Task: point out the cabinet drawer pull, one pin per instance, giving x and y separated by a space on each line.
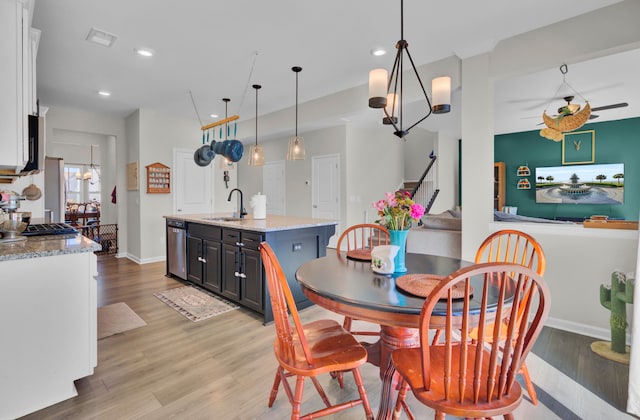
236 274
240 244
242 275
202 260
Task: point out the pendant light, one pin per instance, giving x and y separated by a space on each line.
256 154
386 92
296 151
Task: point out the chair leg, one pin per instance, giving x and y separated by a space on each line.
320 390
527 381
274 389
296 403
363 393
402 394
439 415
436 337
508 417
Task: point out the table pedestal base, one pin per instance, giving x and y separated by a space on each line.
391 338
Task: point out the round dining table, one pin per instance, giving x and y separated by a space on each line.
351 288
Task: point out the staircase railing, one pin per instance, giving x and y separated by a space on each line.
421 188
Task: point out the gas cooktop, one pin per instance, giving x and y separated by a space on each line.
49 229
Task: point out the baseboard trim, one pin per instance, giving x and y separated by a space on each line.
582 329
146 260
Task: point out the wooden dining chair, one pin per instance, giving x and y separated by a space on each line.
520 248
359 240
306 351
471 378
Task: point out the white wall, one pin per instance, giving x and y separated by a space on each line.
416 146
375 165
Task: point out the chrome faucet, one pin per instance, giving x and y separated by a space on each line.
242 211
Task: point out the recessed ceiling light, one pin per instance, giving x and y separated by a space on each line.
144 52
100 37
378 52
214 115
104 93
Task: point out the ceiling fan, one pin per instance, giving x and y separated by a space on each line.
571 109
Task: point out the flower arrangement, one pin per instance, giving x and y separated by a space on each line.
397 211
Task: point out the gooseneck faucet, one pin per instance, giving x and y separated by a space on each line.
242 211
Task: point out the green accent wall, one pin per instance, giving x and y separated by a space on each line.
615 142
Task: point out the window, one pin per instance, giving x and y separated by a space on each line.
82 183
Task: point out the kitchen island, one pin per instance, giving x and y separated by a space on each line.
222 254
48 320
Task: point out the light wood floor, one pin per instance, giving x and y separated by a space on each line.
223 367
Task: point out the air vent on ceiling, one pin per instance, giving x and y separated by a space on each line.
101 37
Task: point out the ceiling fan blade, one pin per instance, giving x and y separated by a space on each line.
612 106
593 117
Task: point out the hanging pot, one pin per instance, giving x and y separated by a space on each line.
203 155
231 149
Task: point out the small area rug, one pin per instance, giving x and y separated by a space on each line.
117 318
195 304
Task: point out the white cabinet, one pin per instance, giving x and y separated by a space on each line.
18 46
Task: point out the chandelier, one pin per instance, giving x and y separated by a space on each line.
386 92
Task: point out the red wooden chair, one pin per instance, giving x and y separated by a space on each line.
520 248
360 240
306 351
469 378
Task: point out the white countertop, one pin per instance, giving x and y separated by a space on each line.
271 223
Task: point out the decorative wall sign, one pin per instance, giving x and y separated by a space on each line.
132 176
579 147
524 184
524 170
158 178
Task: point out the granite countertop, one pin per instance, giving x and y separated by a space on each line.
49 245
270 224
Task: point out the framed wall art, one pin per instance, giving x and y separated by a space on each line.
132 176
579 147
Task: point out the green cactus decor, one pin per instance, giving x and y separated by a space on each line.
615 297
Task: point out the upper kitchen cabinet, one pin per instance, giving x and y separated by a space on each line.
18 48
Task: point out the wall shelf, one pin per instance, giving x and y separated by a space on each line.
158 178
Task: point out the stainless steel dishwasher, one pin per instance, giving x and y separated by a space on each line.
177 248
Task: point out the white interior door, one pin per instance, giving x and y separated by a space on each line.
192 186
326 187
273 186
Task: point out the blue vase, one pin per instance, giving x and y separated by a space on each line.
399 238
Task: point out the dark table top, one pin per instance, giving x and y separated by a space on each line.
353 283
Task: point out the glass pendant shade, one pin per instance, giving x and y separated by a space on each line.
296 151
391 109
256 153
378 79
441 90
256 156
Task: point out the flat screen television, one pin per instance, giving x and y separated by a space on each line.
580 184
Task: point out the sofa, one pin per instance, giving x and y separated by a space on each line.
440 234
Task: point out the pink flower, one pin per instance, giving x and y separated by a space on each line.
417 211
380 205
391 199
